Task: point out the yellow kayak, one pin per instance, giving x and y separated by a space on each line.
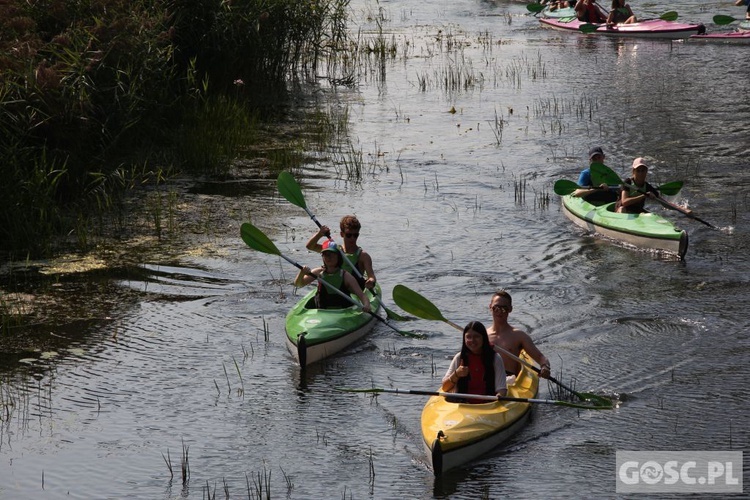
455 433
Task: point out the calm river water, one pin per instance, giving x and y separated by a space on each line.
454 206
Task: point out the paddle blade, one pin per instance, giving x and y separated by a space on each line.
670 188
255 239
564 187
290 190
669 16
600 173
722 20
393 314
413 303
588 28
534 7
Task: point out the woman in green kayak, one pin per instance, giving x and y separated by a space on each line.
635 190
335 277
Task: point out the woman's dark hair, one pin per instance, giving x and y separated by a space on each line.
488 358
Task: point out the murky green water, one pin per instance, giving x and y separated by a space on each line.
187 349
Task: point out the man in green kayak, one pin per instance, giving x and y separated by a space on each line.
596 195
511 339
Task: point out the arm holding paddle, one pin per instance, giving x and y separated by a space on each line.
312 244
587 187
632 199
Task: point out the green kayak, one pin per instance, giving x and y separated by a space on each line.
313 334
646 230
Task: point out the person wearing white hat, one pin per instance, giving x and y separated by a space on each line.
635 190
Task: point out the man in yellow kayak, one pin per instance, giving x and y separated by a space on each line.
511 339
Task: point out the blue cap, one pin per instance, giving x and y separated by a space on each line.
595 151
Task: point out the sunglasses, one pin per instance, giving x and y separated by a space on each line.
351 235
504 309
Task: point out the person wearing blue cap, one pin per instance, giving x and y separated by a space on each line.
598 195
332 273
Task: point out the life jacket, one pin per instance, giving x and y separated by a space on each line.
481 379
328 299
591 14
621 15
630 186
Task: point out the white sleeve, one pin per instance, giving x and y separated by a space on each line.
455 363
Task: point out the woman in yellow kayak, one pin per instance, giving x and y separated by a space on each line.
477 369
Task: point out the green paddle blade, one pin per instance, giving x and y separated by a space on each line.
564 187
588 28
670 188
290 190
721 20
393 314
256 240
669 16
600 173
413 303
534 7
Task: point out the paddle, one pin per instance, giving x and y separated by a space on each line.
414 303
590 28
722 20
255 239
536 8
602 173
564 187
607 406
291 190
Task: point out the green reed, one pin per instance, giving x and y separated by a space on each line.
105 86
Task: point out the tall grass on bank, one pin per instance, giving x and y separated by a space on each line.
90 89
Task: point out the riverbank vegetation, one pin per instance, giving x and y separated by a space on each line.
97 97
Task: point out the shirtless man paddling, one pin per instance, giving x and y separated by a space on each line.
512 339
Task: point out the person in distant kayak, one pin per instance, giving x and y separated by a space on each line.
588 11
633 198
621 13
477 369
332 273
554 5
502 334
739 3
350 227
594 194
